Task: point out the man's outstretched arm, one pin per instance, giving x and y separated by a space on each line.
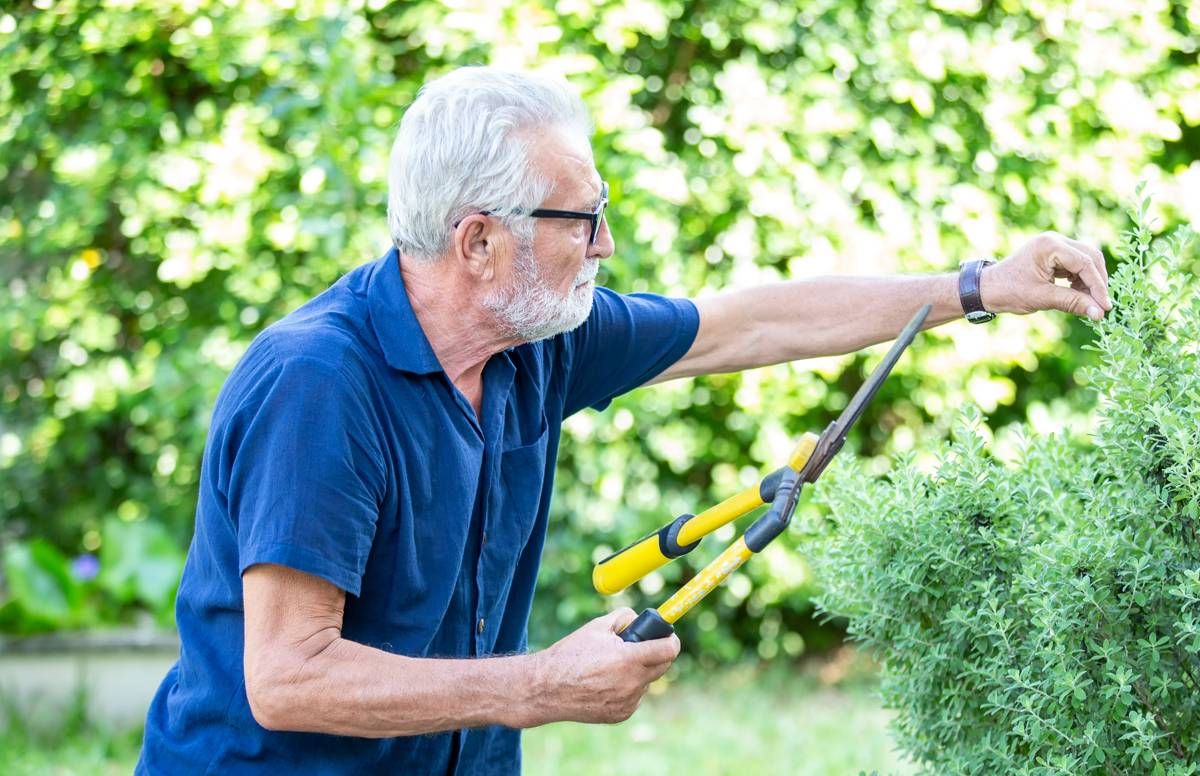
829 316
301 675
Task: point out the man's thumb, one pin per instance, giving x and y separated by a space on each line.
618 619
1075 302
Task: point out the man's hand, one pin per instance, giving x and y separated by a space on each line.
1024 282
591 675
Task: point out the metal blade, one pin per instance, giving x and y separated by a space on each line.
835 433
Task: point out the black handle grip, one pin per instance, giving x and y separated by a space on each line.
648 625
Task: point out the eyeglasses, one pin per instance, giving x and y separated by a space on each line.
595 217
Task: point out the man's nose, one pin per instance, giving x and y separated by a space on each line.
604 245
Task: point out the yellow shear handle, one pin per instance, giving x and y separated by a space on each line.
626 566
703 583
750 499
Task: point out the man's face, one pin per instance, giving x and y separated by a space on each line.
551 278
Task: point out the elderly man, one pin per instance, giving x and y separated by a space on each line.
378 472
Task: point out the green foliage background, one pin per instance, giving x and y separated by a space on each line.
174 176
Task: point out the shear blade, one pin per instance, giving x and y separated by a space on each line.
835 434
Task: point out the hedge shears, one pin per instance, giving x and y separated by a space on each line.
781 489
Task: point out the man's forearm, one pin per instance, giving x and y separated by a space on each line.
833 315
822 316
829 316
301 675
350 689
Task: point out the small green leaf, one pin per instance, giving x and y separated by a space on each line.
40 582
139 562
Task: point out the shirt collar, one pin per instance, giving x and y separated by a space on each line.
404 344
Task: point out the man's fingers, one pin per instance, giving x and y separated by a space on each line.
1093 253
655 671
1084 267
1075 302
652 672
655 651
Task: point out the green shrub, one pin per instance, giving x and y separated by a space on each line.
1043 615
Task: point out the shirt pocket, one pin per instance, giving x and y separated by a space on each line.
522 475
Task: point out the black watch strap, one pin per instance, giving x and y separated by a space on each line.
969 275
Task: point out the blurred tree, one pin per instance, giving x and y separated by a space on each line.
174 177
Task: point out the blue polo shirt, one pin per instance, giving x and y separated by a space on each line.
339 447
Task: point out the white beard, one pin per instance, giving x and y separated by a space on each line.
531 310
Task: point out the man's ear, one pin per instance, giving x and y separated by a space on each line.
474 243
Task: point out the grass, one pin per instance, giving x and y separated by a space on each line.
745 721
73 746
742 722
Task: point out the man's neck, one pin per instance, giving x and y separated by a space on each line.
461 332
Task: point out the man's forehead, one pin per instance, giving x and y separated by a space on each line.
566 158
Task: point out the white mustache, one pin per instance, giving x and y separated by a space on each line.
588 272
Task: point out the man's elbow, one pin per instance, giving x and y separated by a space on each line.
280 692
267 695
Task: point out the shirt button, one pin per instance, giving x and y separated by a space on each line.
481 624
484 539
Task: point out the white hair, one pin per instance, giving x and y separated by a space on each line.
462 148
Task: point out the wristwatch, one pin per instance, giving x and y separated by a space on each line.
969 274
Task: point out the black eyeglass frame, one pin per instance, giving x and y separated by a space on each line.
595 218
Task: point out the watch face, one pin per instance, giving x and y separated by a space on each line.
980 316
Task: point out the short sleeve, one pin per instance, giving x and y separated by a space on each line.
305 477
626 341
